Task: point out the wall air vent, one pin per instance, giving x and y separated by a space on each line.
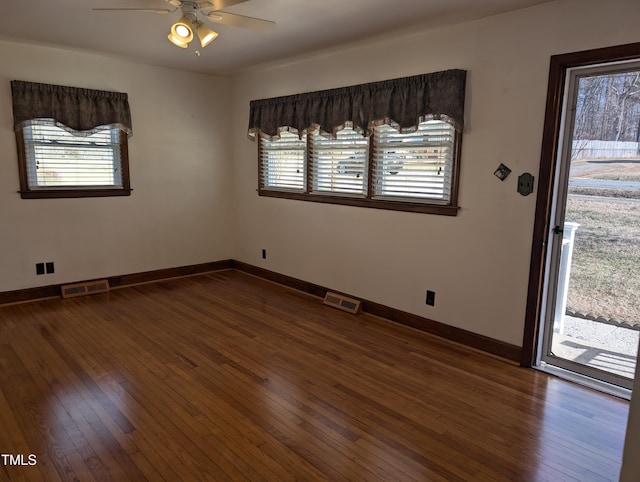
342 302
86 288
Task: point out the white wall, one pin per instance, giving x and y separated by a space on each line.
477 262
179 211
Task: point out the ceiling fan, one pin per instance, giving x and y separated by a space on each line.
182 31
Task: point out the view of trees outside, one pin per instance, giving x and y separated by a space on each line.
607 112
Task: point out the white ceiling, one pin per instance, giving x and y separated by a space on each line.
302 26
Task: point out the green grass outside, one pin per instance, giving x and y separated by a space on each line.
605 272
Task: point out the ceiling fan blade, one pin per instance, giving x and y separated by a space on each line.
217 4
235 20
153 10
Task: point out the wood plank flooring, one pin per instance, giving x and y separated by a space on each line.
225 376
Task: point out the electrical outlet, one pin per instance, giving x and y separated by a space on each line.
39 268
431 298
264 254
49 267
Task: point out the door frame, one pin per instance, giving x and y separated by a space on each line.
559 65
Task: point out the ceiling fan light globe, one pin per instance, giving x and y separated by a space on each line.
177 41
205 34
182 30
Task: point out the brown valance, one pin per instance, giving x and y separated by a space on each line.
404 101
75 108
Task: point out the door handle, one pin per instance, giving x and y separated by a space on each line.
558 230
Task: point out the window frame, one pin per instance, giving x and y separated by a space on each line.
29 192
369 200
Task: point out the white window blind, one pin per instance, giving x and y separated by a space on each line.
414 166
56 158
339 165
282 162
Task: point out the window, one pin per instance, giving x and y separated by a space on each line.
337 165
393 144
391 169
80 151
58 159
416 166
282 162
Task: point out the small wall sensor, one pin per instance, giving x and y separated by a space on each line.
502 172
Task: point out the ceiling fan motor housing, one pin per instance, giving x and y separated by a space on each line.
189 9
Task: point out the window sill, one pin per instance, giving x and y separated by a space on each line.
73 193
443 210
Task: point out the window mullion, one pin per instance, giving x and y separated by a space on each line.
308 161
370 166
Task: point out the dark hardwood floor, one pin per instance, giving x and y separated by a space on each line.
225 376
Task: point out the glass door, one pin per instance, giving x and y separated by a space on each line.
591 319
